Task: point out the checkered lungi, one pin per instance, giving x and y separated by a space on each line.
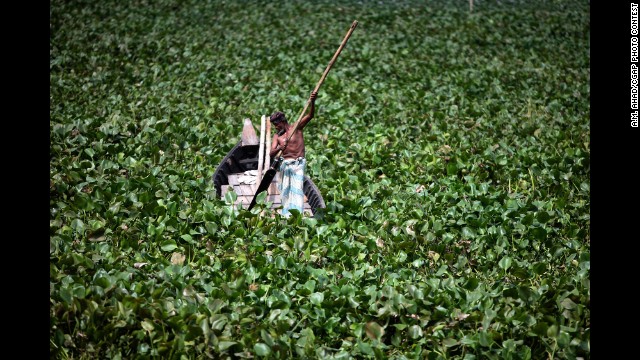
291 185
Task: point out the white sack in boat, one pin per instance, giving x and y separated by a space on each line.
248 177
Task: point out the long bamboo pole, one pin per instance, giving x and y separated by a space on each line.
324 75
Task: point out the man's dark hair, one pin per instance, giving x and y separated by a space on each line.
277 117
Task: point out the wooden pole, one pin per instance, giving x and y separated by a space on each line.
260 153
267 149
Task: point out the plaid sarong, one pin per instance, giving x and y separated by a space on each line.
291 185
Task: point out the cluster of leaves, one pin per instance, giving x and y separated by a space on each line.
451 147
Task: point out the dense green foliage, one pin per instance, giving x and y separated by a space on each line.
452 148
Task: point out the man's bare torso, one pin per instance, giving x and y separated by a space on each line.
295 147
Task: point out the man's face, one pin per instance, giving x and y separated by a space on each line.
279 124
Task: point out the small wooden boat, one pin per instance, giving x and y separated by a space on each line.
241 171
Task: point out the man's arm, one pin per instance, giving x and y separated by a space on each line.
274 146
312 110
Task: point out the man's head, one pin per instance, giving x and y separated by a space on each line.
277 117
279 121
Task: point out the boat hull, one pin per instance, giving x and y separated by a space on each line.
244 158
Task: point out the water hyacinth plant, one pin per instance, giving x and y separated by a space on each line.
451 145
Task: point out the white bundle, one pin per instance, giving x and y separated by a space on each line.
249 177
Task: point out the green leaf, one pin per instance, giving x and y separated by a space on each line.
543 216
230 197
564 339
468 233
527 220
212 228
79 291
505 263
168 245
568 304
311 222
147 325
65 295
365 348
539 233
188 238
268 339
260 348
468 340
260 198
316 298
218 321
448 342
103 282
224 345
485 339
585 186
452 168
310 285
540 328
400 326
78 225
415 332
540 268
471 283
216 304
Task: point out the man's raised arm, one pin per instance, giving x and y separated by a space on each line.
310 114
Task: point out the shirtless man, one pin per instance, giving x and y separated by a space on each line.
295 147
292 168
